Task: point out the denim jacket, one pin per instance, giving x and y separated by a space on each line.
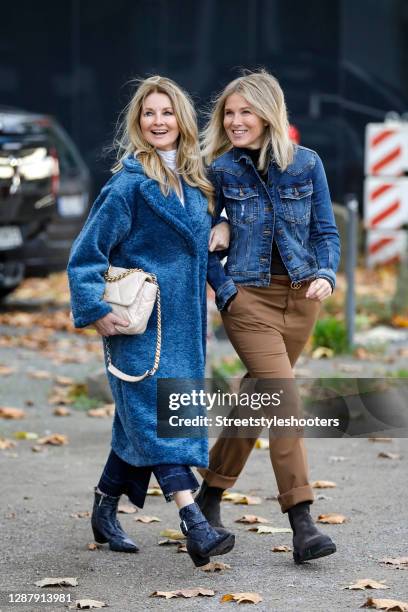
294 208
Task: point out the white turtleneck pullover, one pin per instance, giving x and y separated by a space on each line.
169 158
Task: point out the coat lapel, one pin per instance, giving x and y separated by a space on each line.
196 207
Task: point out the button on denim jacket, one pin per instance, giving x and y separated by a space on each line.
294 207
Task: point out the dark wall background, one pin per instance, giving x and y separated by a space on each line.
342 63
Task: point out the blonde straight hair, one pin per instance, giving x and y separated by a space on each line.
264 94
129 139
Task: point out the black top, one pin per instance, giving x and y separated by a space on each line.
277 265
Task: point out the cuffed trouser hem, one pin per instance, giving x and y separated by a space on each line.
217 480
295 496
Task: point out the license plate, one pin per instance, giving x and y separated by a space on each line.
10 238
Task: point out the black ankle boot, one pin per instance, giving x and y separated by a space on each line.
308 542
203 541
106 527
209 501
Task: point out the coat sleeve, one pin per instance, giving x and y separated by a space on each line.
108 223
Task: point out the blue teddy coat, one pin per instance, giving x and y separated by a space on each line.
133 225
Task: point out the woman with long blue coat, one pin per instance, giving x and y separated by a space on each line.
153 214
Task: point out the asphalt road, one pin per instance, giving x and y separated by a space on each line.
40 491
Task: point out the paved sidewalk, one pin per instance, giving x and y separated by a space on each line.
41 490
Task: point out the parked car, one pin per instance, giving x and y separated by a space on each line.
44 196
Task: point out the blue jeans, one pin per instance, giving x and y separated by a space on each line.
119 478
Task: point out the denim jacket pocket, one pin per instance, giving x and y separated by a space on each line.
296 201
242 203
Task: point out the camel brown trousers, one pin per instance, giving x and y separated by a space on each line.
268 327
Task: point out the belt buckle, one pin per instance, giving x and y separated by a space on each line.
296 285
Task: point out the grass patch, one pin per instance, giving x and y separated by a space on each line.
330 333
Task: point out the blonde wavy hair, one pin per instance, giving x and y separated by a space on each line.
129 139
264 94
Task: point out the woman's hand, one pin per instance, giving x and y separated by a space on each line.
219 237
319 289
106 325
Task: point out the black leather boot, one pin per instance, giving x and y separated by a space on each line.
209 501
203 541
106 527
308 542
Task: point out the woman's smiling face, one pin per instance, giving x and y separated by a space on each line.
243 127
158 122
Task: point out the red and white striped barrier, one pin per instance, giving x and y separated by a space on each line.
386 191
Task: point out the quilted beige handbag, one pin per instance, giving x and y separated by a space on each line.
132 294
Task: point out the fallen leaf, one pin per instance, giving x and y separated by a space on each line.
282 548
262 444
251 519
6 370
361 353
396 563
254 598
323 484
25 435
87 604
62 411
104 411
400 321
64 381
386 604
331 519
47 582
322 352
6 412
37 449
267 529
375 439
215 566
126 509
5 444
199 591
143 518
40 374
367 583
168 542
154 491
55 439
173 534
81 514
93 546
181 548
240 498
385 455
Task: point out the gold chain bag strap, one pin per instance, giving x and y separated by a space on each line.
132 294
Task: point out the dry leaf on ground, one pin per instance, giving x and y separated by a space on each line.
262 444
267 529
64 381
199 591
367 583
173 534
87 604
240 498
40 374
251 519
5 444
6 370
143 518
322 352
38 449
181 548
48 582
93 546
168 542
282 548
395 563
154 491
62 411
25 435
323 484
104 411
54 439
81 514
215 566
386 604
331 518
254 598
377 439
385 455
126 509
6 412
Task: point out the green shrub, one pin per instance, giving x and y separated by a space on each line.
331 333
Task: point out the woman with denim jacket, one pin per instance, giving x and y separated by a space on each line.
152 214
282 262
